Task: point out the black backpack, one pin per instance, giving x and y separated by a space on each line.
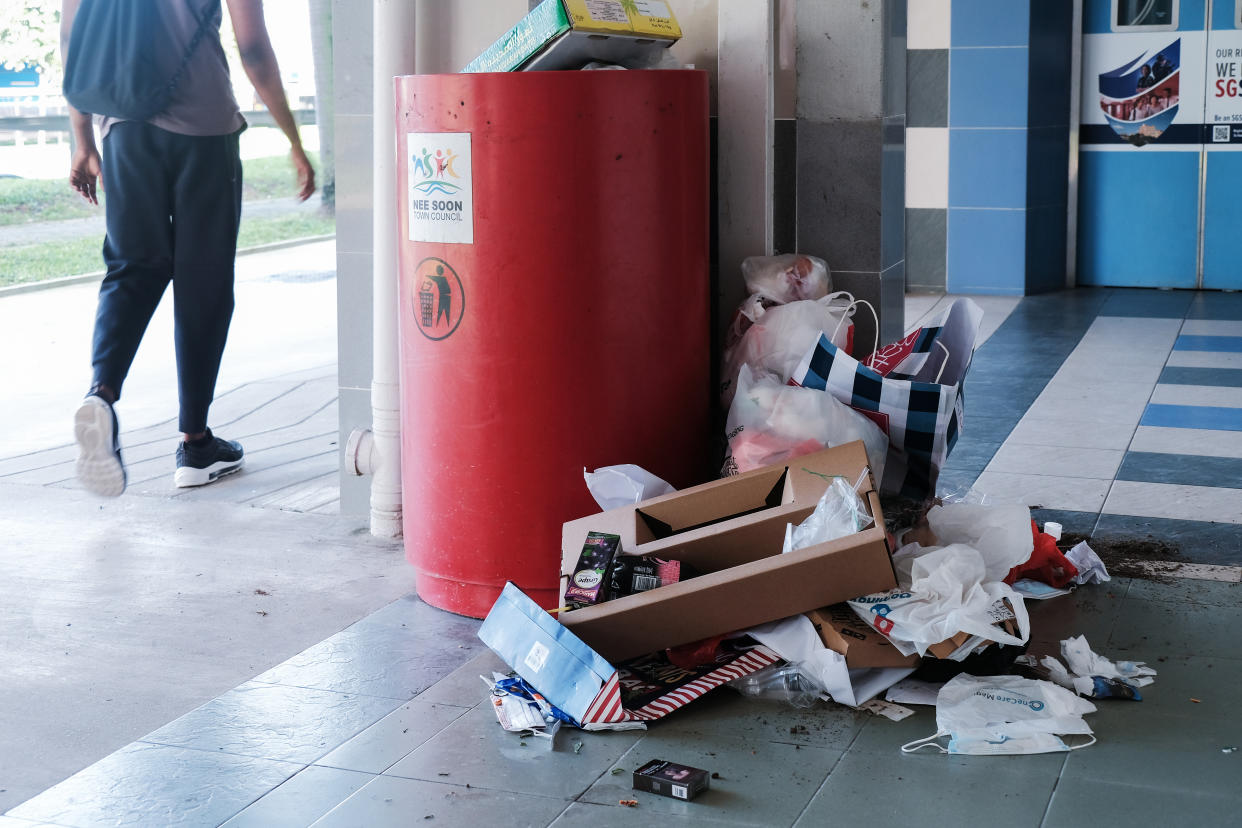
119 63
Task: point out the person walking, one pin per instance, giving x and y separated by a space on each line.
174 185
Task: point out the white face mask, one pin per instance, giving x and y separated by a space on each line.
1028 743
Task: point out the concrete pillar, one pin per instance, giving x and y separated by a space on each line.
850 148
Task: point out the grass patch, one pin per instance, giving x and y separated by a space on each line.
24 200
21 264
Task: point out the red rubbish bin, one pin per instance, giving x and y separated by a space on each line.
553 310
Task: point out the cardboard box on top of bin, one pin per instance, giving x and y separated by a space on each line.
565 34
732 531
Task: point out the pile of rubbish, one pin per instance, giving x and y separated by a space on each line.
783 580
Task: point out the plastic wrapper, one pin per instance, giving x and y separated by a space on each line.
780 682
839 513
1001 534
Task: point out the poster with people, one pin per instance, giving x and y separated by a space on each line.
1144 91
1140 98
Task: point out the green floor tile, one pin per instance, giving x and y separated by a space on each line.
1142 747
1146 630
930 790
1082 802
755 783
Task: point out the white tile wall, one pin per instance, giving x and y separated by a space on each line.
928 24
927 167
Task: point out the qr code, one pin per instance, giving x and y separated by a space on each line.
1220 133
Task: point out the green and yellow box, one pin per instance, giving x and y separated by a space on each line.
566 34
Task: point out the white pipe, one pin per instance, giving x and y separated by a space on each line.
393 55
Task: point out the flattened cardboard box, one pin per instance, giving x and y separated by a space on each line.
732 530
565 34
842 631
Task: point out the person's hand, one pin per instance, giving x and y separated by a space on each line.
84 171
305 172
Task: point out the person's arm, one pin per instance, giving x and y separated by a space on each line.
259 61
85 167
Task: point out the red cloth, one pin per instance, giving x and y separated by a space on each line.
1046 563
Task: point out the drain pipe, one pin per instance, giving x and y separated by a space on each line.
393 54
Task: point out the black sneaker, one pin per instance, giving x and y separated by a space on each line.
199 465
100 468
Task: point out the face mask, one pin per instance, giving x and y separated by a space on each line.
1029 743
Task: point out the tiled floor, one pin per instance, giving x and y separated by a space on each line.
385 723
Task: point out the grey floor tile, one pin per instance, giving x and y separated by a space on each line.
929 790
1146 630
377 748
1194 687
301 800
758 783
10 822
475 750
144 784
462 686
1188 592
1090 802
275 722
615 815
390 802
1149 467
827 725
1141 747
1091 610
1220 377
398 652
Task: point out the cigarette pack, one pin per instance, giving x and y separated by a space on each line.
671 780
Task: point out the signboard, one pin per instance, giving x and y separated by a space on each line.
440 191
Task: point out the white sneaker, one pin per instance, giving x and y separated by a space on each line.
100 468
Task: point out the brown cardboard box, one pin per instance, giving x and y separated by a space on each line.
842 631
732 530
949 646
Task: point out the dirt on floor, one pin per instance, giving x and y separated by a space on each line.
1146 559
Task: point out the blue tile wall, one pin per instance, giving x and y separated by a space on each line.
1047 167
988 87
1051 48
990 23
1045 248
987 167
987 251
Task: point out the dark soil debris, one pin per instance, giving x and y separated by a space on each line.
1145 559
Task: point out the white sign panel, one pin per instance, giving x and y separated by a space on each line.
1224 93
440 191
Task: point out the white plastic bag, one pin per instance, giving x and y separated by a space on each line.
1005 715
1001 534
786 278
1083 661
839 513
769 422
781 334
624 485
948 593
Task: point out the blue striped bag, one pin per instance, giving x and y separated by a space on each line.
913 393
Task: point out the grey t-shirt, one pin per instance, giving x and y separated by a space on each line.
202 102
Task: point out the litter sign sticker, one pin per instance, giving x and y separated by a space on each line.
440 193
439 298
